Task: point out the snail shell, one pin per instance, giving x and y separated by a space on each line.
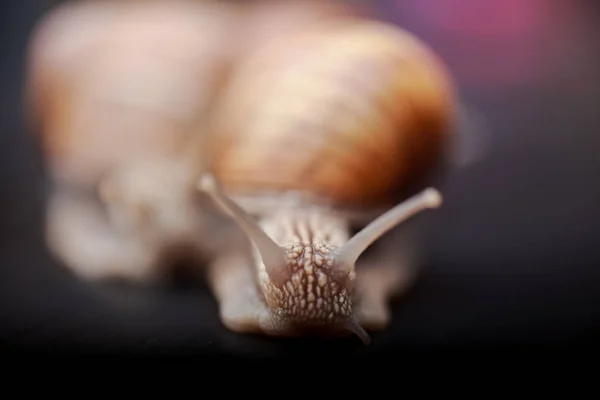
342 114
111 82
119 94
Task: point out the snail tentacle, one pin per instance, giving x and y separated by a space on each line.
273 256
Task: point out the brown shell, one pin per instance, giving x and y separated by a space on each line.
111 81
344 113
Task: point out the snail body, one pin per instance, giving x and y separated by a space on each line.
350 113
120 92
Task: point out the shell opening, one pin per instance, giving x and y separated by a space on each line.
351 251
272 255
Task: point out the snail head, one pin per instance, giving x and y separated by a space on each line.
308 285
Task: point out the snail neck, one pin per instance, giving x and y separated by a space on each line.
313 293
310 238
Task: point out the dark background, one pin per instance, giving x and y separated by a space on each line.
512 258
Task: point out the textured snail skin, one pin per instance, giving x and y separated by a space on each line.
118 93
338 117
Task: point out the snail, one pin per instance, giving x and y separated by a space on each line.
300 132
320 131
119 92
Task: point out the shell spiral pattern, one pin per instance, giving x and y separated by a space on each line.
343 113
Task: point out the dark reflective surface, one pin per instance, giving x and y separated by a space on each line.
512 256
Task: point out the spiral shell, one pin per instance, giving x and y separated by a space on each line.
113 81
345 112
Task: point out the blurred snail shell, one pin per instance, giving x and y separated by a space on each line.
119 93
342 113
116 80
311 126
